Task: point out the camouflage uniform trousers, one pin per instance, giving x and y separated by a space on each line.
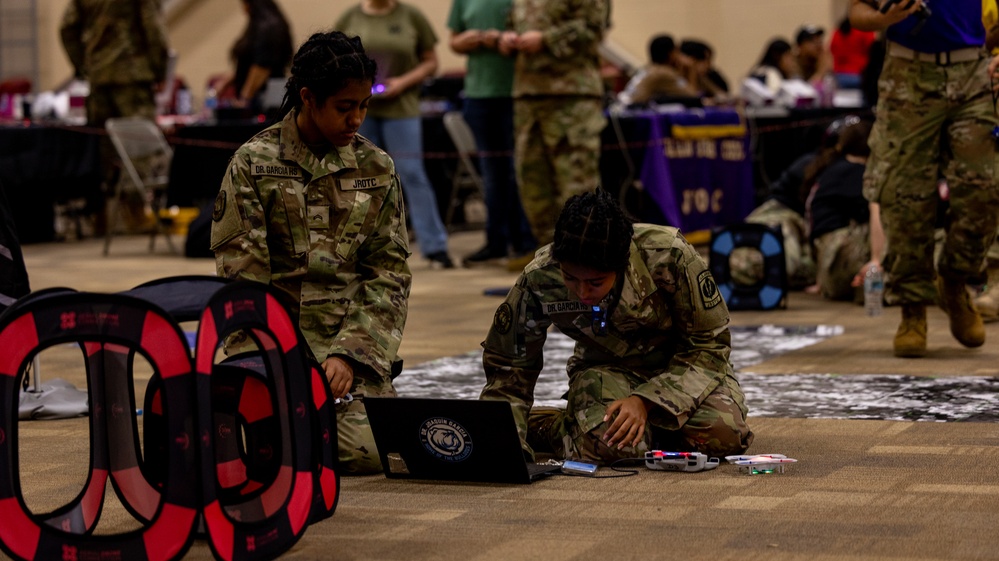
919 103
746 264
356 444
840 255
557 155
717 428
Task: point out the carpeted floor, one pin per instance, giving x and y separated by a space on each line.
866 487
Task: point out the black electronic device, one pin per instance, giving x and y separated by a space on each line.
451 440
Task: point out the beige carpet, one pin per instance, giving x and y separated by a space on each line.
862 490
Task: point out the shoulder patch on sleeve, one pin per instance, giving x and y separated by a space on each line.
710 296
503 319
219 209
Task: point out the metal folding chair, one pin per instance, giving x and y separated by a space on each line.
466 181
145 160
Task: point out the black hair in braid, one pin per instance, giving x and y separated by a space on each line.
594 232
325 64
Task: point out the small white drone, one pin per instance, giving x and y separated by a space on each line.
760 463
679 461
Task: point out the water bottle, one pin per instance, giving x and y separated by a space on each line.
874 289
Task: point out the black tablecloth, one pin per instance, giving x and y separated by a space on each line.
201 153
42 165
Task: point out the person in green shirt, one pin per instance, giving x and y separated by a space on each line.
400 40
488 108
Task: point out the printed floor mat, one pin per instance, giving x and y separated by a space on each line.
854 396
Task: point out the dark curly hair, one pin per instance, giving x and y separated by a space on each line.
325 64
594 232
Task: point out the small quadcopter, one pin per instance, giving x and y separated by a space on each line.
679 461
760 463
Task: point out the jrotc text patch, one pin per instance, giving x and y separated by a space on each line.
276 170
572 306
503 319
710 296
359 183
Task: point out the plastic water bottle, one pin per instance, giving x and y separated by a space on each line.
874 290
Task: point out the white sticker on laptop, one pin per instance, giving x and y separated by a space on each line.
445 439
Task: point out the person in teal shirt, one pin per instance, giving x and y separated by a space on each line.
488 108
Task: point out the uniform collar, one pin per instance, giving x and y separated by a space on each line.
293 148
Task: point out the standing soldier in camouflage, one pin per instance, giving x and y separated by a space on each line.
315 210
121 49
934 117
651 367
558 103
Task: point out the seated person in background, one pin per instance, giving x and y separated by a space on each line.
700 55
850 49
839 215
784 207
814 61
713 75
665 76
651 367
776 65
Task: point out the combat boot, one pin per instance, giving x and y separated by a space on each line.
987 303
545 426
965 324
910 339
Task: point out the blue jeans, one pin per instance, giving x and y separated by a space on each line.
403 140
491 121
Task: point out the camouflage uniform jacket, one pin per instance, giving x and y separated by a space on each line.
330 233
667 323
569 63
116 41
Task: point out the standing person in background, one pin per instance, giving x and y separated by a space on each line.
121 49
399 38
920 135
988 301
558 104
263 52
851 50
488 108
315 210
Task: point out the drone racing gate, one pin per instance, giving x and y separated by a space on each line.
243 450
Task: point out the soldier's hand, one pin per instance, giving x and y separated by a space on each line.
994 73
339 374
531 42
630 415
508 43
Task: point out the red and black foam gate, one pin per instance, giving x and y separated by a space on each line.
271 519
109 328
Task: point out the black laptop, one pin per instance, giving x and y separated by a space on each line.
450 439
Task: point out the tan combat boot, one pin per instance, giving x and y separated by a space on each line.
910 339
987 302
965 324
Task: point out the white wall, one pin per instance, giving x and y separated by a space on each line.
202 31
